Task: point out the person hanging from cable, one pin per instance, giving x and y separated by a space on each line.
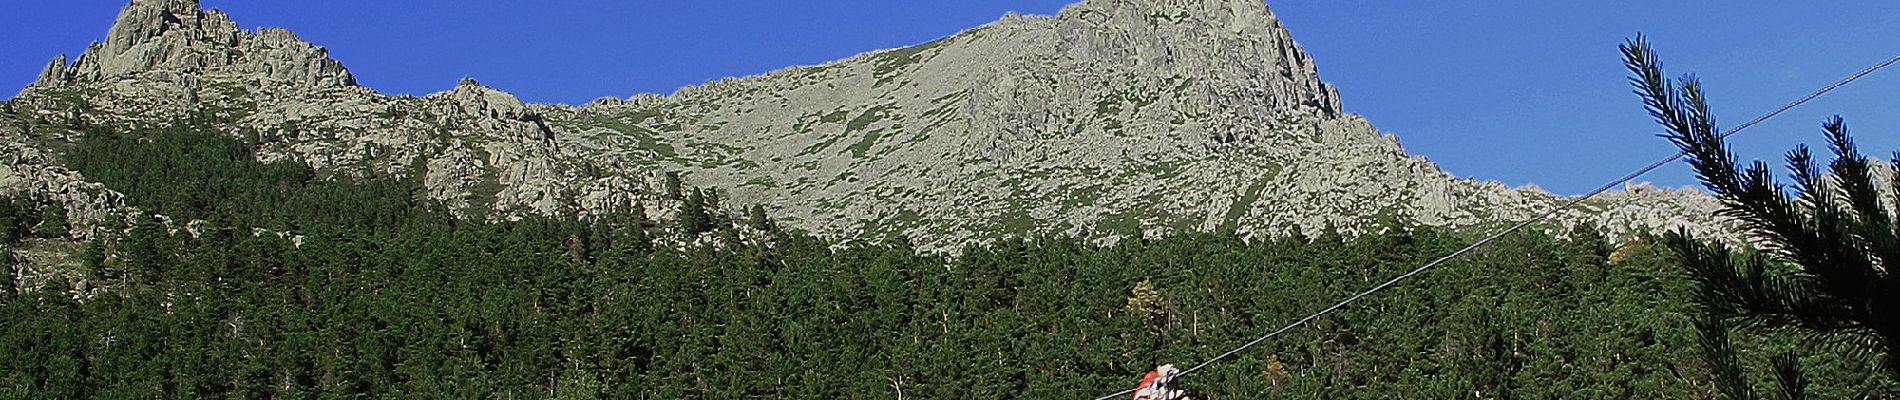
1159 385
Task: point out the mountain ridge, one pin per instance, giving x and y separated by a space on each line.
1108 119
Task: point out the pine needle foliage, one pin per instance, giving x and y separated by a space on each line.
1826 238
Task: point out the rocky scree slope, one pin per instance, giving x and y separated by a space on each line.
1109 119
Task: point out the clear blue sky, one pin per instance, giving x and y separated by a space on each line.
1515 91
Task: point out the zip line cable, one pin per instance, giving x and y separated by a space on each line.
1540 217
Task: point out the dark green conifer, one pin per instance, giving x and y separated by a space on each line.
694 219
9 273
143 255
52 222
95 259
755 216
671 186
13 219
1825 268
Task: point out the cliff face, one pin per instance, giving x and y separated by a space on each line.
177 41
1111 118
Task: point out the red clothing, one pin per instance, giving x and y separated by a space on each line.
1159 385
1140 391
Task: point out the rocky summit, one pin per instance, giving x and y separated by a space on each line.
1109 119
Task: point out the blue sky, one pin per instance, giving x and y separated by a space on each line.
1515 91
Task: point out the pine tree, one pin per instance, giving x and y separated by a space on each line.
95 259
1276 375
714 204
693 218
1833 233
601 238
670 185
755 216
9 273
632 236
143 257
1145 302
52 222
1718 350
577 248
15 218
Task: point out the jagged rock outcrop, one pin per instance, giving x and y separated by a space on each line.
31 171
176 41
1111 118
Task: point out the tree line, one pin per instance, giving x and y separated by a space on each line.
389 296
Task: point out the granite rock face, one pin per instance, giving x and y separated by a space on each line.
32 171
176 40
1109 119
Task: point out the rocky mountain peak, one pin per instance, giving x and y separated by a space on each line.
470 96
1244 13
1109 119
1230 39
177 41
143 21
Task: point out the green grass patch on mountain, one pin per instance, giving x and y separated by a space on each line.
1015 223
1109 106
805 123
1231 219
1081 197
869 116
886 65
1157 170
863 145
487 189
821 145
643 137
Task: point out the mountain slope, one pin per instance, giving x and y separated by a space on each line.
1111 118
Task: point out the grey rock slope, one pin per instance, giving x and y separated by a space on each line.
1111 118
